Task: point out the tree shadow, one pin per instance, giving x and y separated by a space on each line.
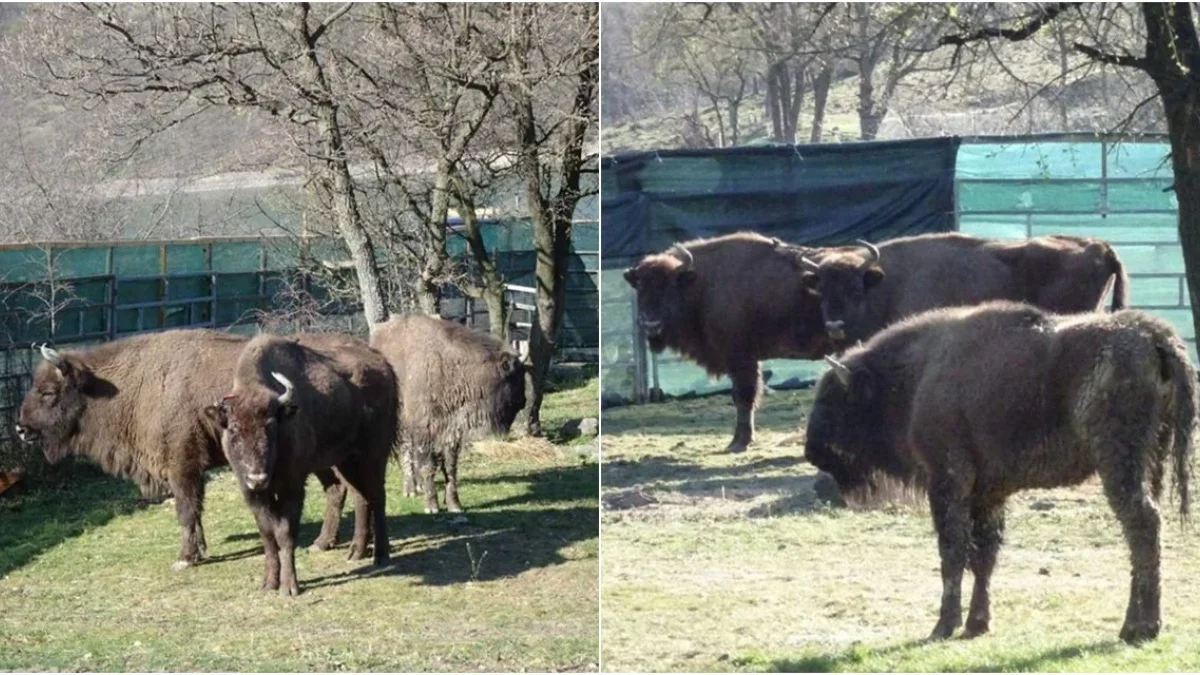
555 484
490 545
853 658
623 473
65 501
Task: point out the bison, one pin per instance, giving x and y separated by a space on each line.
728 303
295 410
128 405
456 385
975 404
863 289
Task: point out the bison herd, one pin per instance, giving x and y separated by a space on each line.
970 367
163 408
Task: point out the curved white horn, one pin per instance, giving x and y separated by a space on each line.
685 256
50 355
809 263
841 370
288 388
873 249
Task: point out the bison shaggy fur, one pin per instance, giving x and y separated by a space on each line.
979 403
456 385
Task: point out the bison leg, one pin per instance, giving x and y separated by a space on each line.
188 489
449 464
1140 521
370 513
287 523
952 519
427 468
747 385
335 501
408 471
266 530
987 534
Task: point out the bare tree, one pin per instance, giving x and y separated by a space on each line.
552 98
1159 41
173 62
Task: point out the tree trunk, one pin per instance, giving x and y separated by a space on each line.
493 297
734 131
869 119
429 285
345 205
820 99
772 103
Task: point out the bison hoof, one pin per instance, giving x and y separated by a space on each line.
356 553
975 628
944 629
180 565
1135 633
431 509
269 585
289 591
322 544
454 508
736 447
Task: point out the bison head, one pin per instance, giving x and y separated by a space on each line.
661 282
843 425
249 422
54 405
509 396
842 281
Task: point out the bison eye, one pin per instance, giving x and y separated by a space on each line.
47 395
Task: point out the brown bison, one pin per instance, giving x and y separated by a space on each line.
728 303
863 289
132 406
978 403
456 385
295 410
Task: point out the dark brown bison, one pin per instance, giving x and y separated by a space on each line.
132 407
978 403
456 385
295 410
728 303
863 289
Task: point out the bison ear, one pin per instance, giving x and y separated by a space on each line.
872 276
216 414
862 386
631 277
809 280
685 277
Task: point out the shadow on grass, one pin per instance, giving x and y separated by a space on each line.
854 658
498 539
64 502
490 545
555 484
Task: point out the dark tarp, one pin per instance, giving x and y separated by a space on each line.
824 194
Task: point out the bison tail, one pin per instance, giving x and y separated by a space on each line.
1183 379
1120 287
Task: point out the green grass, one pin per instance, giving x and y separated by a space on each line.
85 579
731 563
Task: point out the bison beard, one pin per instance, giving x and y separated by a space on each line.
295 410
979 403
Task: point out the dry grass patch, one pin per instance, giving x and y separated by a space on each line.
732 562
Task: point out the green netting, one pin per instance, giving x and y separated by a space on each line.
1005 189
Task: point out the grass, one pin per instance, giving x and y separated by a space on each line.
85 579
716 562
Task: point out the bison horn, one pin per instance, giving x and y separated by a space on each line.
51 355
841 370
873 249
809 263
685 256
288 388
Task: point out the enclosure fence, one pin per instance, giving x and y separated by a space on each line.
1117 189
73 294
